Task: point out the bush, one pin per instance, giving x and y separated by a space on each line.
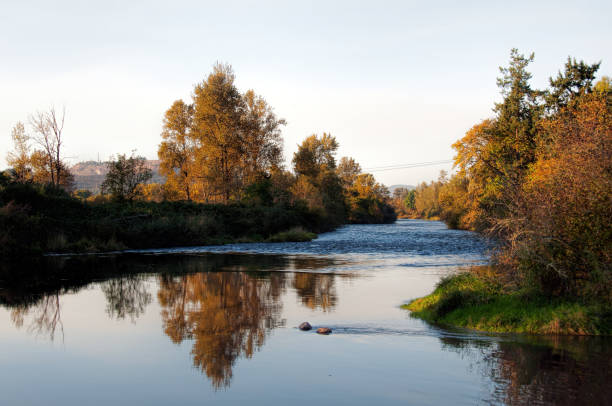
296 234
36 219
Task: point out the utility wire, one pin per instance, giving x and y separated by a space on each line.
406 166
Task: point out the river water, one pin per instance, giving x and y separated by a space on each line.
217 325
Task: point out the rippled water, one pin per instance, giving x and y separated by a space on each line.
217 325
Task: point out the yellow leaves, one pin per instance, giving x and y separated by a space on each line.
303 189
347 170
366 187
222 142
542 172
472 146
315 154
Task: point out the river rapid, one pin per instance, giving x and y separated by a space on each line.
218 325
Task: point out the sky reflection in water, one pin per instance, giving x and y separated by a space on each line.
220 328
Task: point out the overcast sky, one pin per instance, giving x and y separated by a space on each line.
394 82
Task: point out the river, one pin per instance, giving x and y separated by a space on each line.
218 325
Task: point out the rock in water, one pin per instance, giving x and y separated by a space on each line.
305 326
324 330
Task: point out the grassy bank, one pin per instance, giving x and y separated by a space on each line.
473 301
296 234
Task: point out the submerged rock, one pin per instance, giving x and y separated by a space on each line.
324 330
305 326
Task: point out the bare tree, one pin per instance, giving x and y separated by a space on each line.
45 315
48 127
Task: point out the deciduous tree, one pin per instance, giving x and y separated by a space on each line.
124 177
48 128
19 158
177 152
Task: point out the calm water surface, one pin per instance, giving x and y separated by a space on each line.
217 325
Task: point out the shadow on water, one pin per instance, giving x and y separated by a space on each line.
27 282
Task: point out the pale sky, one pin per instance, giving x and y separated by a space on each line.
394 82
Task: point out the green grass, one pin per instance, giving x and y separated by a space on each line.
469 301
295 234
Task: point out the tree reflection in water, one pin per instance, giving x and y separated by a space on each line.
230 314
542 370
227 303
126 296
45 313
316 290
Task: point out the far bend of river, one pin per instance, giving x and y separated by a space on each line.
217 325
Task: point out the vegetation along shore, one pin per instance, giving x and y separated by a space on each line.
222 180
537 179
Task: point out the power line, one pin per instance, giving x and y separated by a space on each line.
407 166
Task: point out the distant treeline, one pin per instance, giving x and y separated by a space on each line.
222 161
537 177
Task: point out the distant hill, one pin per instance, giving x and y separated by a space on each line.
89 175
393 187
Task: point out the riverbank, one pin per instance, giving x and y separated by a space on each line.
472 301
35 220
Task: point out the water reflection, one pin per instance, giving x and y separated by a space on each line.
227 314
226 303
126 296
44 313
316 291
541 370
223 307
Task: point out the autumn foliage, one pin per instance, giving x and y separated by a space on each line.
226 147
537 177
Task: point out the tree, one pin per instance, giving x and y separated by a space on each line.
48 127
218 110
559 236
222 143
495 155
409 199
315 155
348 169
427 199
262 141
368 201
177 151
513 141
576 79
40 171
317 181
124 176
537 177
603 85
38 165
366 186
19 158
